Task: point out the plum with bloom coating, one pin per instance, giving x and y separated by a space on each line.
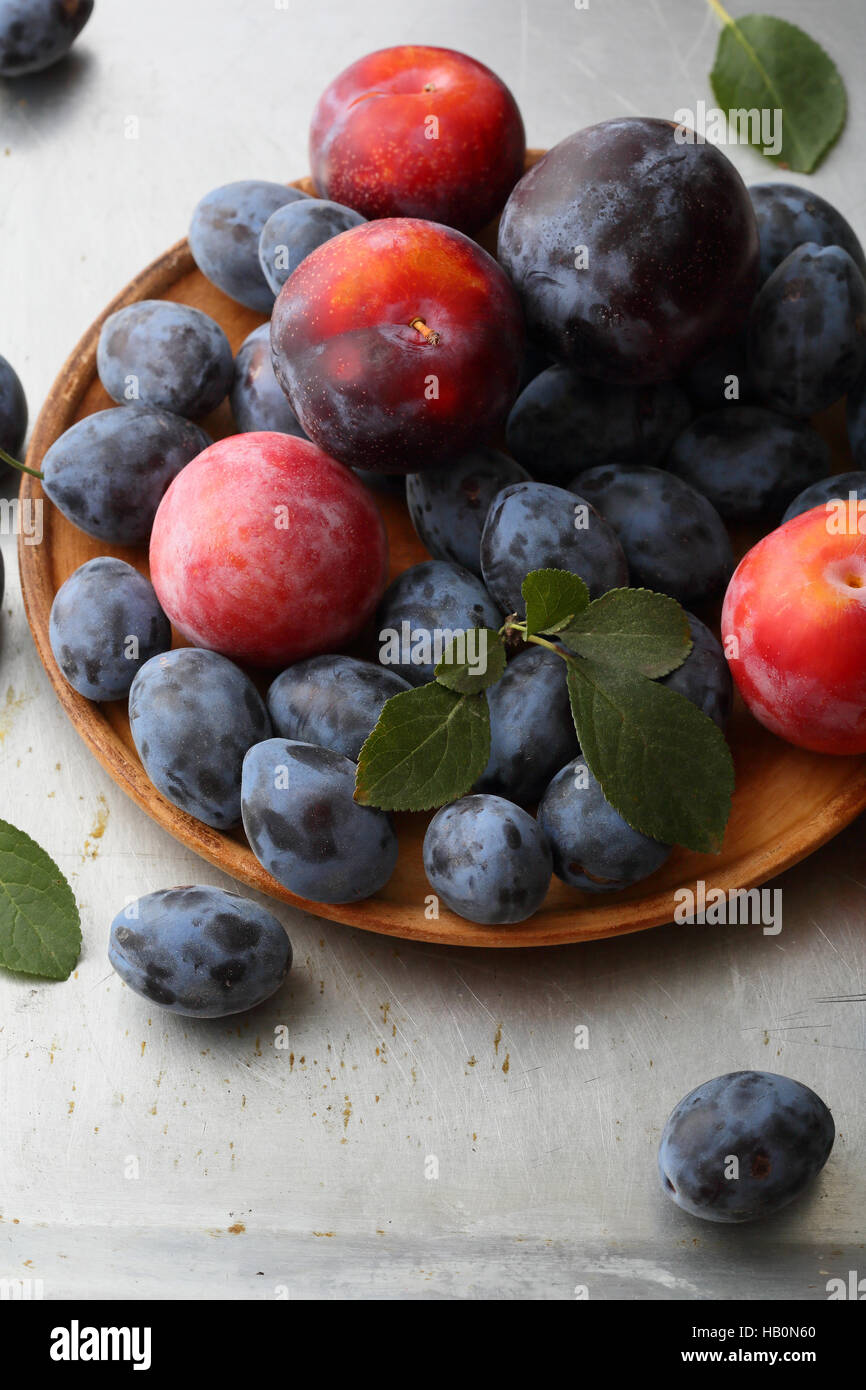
593 847
743 1145
199 951
488 860
305 827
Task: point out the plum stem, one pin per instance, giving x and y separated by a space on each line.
428 334
22 467
511 626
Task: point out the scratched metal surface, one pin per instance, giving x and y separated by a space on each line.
145 1156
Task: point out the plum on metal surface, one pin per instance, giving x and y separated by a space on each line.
743 1145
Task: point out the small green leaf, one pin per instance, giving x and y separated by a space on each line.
429 747
661 762
553 598
466 676
766 64
634 629
40 931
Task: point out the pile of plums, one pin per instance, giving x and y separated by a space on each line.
651 341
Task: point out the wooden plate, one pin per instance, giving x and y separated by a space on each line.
787 803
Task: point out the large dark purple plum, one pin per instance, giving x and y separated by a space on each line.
632 253
224 237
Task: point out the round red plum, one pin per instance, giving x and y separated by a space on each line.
794 629
399 344
415 131
268 551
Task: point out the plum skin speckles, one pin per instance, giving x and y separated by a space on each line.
487 860
305 827
97 611
193 715
779 1132
199 951
377 155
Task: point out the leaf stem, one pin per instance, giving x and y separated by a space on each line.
720 11
510 626
22 467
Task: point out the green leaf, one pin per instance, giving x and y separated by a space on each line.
429 747
764 63
661 762
468 677
634 629
553 598
40 932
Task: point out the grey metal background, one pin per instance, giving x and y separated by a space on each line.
266 1172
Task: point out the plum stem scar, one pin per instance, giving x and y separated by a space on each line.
428 334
